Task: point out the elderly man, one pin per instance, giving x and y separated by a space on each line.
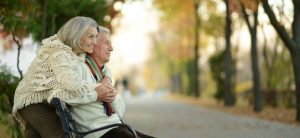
94 111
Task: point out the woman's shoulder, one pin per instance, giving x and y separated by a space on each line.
53 44
56 49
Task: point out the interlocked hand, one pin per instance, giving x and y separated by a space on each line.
106 92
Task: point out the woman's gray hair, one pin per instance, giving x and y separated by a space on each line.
102 29
72 32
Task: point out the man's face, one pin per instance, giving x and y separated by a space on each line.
103 48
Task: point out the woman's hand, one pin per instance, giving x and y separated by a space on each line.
106 92
106 80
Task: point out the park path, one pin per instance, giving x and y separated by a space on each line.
169 119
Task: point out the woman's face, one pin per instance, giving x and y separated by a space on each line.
89 40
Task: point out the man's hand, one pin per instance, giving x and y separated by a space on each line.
106 93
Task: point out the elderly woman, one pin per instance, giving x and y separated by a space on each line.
58 70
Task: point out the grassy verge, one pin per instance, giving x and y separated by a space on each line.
3 132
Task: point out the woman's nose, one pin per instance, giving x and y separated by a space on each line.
94 41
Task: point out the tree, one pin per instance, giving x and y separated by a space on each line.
15 18
217 70
178 38
257 94
178 42
292 42
229 98
278 71
53 14
43 18
8 84
196 69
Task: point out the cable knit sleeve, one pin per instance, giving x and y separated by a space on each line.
65 68
119 105
108 72
84 99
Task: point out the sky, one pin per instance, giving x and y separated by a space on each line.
9 57
131 40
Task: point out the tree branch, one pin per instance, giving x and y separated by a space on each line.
289 43
295 24
18 56
246 16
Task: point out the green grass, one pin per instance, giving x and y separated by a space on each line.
3 132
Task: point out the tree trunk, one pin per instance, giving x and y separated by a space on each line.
197 72
296 54
296 66
229 99
258 97
257 94
293 44
44 18
53 27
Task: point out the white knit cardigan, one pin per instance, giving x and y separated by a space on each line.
54 72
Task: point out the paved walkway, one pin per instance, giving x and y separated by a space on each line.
167 119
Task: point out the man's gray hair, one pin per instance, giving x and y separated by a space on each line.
72 32
102 29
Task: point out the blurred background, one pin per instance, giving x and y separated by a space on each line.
232 52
